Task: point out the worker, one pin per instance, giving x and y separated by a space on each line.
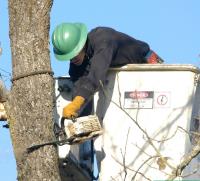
91 54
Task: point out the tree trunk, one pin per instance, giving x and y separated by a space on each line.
30 104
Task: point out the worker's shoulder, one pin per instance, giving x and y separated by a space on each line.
101 29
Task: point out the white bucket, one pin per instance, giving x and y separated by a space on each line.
147 113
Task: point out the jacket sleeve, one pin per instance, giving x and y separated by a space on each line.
86 86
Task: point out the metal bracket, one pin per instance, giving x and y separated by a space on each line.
196 79
64 87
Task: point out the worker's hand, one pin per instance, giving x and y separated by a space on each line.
71 109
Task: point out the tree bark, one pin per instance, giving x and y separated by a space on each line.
30 103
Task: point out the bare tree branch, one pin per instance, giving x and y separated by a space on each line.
138 172
124 155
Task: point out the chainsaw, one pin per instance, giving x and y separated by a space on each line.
80 129
74 131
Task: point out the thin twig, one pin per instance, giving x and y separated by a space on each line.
142 174
124 156
133 178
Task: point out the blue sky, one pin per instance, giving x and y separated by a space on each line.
171 27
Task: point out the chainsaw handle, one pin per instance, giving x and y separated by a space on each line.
62 121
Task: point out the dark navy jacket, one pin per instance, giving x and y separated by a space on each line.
105 47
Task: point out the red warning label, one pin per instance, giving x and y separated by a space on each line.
138 100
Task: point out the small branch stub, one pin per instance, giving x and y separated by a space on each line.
3 115
3 95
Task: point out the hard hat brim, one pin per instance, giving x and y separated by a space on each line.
83 37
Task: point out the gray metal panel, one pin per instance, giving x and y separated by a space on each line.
70 170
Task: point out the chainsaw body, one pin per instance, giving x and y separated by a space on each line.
82 129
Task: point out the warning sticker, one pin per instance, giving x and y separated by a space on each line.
162 99
138 100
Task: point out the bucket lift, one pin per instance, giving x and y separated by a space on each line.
160 99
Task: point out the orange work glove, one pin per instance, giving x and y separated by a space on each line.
71 109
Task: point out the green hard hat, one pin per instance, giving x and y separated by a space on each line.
68 40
